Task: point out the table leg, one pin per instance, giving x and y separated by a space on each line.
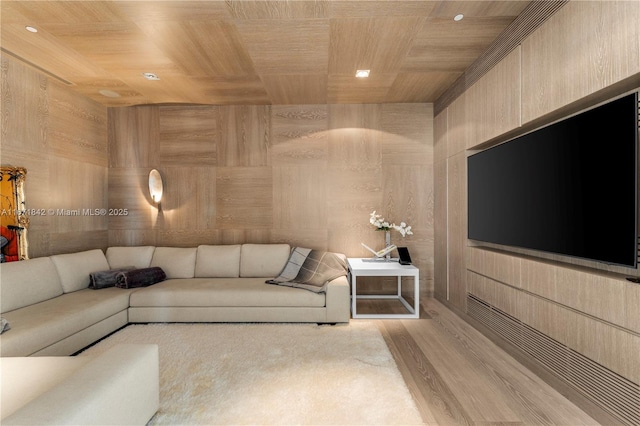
353 295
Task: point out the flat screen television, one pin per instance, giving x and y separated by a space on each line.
569 188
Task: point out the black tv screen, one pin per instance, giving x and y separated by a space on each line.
569 188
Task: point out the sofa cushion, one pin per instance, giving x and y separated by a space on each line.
224 292
27 282
74 268
175 262
263 260
42 324
122 257
218 261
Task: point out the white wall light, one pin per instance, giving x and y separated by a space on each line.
155 186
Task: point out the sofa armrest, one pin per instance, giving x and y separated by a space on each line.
118 387
338 300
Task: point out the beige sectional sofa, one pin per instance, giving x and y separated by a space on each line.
118 387
51 310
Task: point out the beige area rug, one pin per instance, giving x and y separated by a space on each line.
273 374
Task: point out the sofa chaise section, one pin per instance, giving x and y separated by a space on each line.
50 309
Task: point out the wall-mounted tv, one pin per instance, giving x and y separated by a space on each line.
569 188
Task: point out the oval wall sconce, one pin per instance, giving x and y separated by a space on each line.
155 186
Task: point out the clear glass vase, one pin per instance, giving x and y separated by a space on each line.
387 236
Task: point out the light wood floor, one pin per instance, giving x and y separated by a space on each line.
459 377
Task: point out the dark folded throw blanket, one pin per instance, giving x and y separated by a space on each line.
105 279
140 277
311 269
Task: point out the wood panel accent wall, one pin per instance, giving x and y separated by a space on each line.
583 48
306 175
60 137
589 308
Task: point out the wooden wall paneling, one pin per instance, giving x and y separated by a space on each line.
241 236
187 237
457 228
314 238
408 197
129 189
244 198
631 303
300 197
23 141
610 346
189 136
132 237
75 241
355 174
457 126
440 205
539 278
407 134
244 136
355 139
494 101
352 195
78 190
299 135
134 135
549 318
189 199
25 117
479 286
591 293
77 126
440 230
556 73
440 136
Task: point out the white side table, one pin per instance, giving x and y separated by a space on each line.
359 267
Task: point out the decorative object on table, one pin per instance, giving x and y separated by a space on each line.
382 224
405 257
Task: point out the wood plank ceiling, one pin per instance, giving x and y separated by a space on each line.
254 52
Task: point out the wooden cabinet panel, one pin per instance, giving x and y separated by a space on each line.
586 46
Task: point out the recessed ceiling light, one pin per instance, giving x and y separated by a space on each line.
362 73
109 93
458 17
31 29
150 76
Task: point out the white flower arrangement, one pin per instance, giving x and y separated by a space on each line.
382 225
